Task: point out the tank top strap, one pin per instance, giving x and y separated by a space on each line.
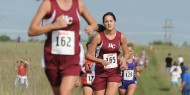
76 5
118 36
52 8
102 36
133 58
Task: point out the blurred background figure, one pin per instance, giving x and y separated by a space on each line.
143 60
19 39
151 46
175 76
21 78
185 86
143 53
180 59
168 61
179 71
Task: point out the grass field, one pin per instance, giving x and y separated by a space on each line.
153 80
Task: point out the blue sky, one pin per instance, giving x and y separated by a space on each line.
141 20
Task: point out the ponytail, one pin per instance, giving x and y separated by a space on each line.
100 28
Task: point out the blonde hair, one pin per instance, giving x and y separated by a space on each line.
130 45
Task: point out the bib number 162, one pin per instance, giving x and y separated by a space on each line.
63 42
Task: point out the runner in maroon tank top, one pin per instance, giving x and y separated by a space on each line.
63 52
107 44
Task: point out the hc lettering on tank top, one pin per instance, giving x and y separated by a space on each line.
68 19
111 45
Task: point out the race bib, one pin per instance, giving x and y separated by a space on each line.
112 59
90 78
128 74
63 42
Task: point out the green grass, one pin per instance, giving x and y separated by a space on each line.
153 80
150 82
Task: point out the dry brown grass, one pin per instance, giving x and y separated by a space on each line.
152 82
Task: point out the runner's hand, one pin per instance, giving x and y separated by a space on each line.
137 74
89 30
60 23
104 62
123 65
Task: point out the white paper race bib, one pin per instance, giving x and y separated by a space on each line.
63 42
89 78
112 59
128 74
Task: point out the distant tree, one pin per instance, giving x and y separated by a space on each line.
168 43
159 42
33 40
185 43
5 38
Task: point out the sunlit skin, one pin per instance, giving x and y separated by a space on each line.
109 23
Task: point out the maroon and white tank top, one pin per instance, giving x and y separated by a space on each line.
65 41
109 49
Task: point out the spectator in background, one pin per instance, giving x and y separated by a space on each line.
168 61
141 64
180 59
175 77
151 46
143 60
185 86
179 71
143 53
175 65
182 69
21 73
18 39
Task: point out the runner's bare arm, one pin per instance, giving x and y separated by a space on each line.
89 19
95 41
124 46
125 49
92 48
37 29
